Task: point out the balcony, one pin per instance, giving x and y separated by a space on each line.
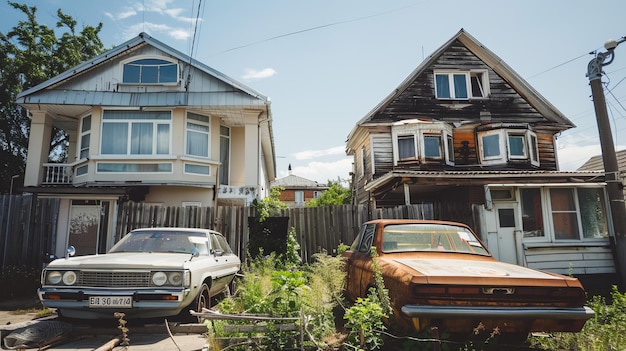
58 173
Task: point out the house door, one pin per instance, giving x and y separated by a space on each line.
86 217
506 224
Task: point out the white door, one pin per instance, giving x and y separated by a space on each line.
506 226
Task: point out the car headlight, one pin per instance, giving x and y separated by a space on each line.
69 278
55 277
175 278
159 278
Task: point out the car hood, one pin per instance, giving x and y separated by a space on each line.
126 260
445 271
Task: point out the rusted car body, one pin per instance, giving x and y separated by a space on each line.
439 274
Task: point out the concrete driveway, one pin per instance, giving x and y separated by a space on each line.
83 337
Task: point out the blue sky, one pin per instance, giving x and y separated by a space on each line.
326 63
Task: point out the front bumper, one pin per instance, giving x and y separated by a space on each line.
74 303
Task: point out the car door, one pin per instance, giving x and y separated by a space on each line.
357 263
226 263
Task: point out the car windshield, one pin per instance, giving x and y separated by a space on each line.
162 241
430 237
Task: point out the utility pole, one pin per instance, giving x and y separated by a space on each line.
612 177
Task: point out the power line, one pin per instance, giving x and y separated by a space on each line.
316 28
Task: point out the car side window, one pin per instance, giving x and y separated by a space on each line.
224 244
215 245
367 238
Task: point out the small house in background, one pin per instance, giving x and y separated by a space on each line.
596 163
297 190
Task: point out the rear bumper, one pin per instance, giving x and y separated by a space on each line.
501 313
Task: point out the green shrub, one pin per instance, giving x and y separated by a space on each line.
605 331
19 282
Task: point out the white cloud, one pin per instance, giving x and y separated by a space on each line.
310 154
179 34
252 74
121 15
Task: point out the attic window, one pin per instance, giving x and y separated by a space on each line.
150 71
461 85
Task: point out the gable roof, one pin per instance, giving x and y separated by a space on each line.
293 181
62 102
596 163
494 62
129 45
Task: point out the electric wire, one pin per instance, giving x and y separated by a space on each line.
332 24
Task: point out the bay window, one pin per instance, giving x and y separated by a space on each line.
422 142
503 144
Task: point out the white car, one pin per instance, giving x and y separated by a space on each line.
150 272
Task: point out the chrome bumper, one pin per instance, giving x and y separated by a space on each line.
487 312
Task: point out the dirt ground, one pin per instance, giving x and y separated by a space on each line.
18 310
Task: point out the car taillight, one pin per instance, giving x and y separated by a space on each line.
429 290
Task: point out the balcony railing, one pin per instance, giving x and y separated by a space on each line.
58 173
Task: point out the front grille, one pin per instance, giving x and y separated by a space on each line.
114 279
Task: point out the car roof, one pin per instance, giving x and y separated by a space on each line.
177 229
385 221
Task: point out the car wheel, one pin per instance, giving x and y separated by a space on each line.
203 301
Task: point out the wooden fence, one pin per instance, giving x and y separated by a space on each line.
28 226
27 229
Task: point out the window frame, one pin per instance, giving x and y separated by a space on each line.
224 170
504 155
418 132
85 135
134 61
480 76
298 197
130 123
199 123
547 211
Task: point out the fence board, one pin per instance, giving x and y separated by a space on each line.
28 225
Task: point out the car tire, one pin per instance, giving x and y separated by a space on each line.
203 300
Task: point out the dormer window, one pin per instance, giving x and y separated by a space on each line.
461 85
508 143
150 71
422 142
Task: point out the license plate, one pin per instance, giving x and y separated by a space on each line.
110 301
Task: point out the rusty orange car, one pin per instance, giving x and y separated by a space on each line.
439 274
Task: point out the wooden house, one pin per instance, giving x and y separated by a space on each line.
465 133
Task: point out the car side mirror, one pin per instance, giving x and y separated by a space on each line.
71 251
195 252
218 252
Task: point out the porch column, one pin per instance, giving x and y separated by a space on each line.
252 153
407 194
38 147
71 150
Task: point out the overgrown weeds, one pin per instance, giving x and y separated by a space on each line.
605 331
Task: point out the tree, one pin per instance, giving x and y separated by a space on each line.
335 195
31 53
